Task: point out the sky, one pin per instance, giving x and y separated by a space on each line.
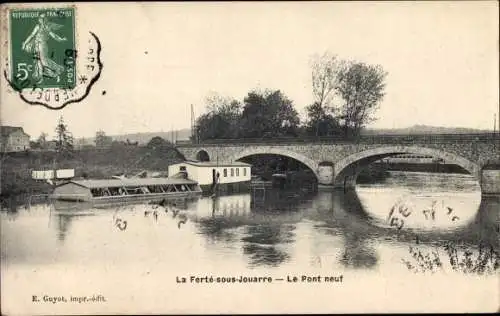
159 58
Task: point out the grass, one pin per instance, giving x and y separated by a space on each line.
463 259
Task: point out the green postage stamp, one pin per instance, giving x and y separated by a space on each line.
47 62
43 46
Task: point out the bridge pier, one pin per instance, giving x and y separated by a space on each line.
490 181
348 182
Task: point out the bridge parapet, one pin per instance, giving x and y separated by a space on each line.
388 139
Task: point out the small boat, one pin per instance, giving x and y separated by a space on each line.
259 182
124 190
279 180
279 175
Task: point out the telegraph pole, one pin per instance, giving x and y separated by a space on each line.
192 125
194 135
495 130
497 135
494 123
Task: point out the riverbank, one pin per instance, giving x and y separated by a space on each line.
423 167
373 173
379 172
92 163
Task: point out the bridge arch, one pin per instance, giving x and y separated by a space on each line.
347 169
311 164
202 155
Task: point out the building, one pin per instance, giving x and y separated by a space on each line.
225 177
51 145
14 138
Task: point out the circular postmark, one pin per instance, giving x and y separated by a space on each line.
48 63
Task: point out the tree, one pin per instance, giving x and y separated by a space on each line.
361 88
161 147
267 114
221 120
212 126
325 69
34 145
42 141
158 142
345 92
322 121
101 140
64 139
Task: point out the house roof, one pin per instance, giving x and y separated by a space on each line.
7 130
105 183
215 164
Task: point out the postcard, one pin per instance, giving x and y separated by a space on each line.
260 157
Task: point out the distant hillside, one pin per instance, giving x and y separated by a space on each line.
142 138
184 134
424 129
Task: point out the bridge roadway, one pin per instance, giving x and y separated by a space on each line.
337 161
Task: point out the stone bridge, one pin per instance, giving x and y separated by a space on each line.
338 163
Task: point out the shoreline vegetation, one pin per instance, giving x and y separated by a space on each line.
92 163
379 172
373 173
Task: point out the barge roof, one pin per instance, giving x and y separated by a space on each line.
105 183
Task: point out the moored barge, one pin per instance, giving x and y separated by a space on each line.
118 191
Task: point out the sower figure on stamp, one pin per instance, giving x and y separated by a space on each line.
37 43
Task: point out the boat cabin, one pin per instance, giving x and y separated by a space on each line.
227 175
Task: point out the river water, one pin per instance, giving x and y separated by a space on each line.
418 242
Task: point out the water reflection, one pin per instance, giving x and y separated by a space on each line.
355 221
10 205
268 231
344 216
261 244
423 211
63 224
332 230
262 231
358 253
